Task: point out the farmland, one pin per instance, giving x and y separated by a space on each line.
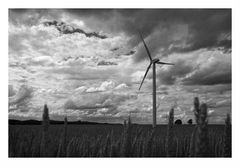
108 141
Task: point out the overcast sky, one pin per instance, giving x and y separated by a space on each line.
88 64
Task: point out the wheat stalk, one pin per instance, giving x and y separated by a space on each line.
63 142
170 135
127 139
45 127
202 148
228 137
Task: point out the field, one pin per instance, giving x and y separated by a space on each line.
110 141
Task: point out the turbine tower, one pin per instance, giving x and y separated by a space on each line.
152 62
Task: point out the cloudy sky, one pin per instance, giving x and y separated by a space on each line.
88 64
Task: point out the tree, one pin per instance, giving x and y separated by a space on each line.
178 122
189 121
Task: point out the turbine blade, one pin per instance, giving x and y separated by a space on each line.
164 63
145 75
148 52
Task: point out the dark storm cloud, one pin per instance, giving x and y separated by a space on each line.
219 88
167 30
106 63
67 29
204 78
130 53
31 17
204 27
217 72
169 76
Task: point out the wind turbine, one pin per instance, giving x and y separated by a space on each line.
152 62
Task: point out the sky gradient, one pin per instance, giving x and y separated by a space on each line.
88 63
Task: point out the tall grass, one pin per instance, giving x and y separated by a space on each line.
127 140
194 136
170 144
45 135
228 137
62 150
199 146
202 146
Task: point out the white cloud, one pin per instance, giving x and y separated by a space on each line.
23 93
121 86
210 112
42 60
81 89
106 85
137 76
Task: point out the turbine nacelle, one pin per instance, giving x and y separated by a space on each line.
159 62
155 60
